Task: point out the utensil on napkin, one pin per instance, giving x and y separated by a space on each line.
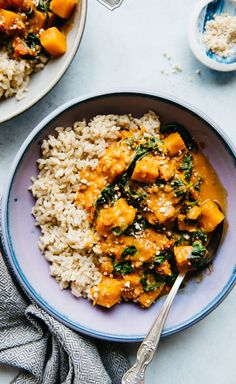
111 4
45 350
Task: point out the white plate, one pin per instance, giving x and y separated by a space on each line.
43 81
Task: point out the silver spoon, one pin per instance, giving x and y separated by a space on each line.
111 4
146 351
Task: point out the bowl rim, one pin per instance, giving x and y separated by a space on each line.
63 69
5 217
195 46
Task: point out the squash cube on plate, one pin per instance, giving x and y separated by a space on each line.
119 216
174 143
146 170
211 216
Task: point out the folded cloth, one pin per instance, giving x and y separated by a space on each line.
47 351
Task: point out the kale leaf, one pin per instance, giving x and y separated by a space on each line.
139 224
142 150
162 256
197 185
44 6
199 235
198 257
32 40
179 187
183 236
129 251
123 268
117 231
108 195
187 166
133 197
151 280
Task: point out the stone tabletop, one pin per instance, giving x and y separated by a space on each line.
143 45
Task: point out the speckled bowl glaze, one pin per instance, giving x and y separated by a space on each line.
124 322
43 81
201 14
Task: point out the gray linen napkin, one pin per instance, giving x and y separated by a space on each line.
47 351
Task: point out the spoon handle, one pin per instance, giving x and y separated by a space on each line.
111 4
146 351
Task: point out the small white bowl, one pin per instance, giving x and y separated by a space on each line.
198 18
43 81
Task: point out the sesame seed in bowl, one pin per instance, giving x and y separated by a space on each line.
212 34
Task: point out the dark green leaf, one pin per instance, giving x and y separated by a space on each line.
133 197
198 184
129 251
187 166
171 279
139 224
183 236
44 6
123 268
151 280
117 231
199 235
108 195
10 49
198 256
162 256
160 182
142 150
179 187
32 40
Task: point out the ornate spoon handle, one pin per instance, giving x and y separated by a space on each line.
111 4
135 375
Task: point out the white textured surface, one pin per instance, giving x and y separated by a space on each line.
124 48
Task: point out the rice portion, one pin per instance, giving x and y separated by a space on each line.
68 242
15 75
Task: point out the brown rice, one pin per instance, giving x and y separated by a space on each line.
67 240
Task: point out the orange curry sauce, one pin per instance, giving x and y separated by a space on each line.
152 204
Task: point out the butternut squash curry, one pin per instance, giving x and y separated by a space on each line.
31 27
153 202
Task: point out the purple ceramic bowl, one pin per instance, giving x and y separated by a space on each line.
125 322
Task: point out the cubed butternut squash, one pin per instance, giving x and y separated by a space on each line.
63 8
166 171
147 298
211 216
161 210
107 293
184 225
37 21
174 143
8 20
132 288
119 216
182 252
146 170
194 213
164 268
20 48
53 41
